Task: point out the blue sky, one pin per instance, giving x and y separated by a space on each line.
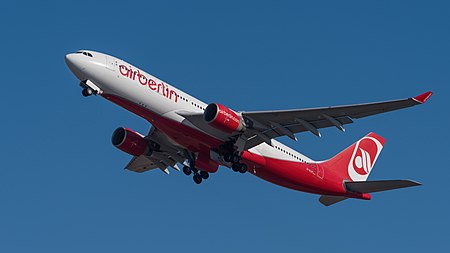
62 183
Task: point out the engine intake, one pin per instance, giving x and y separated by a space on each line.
223 118
130 142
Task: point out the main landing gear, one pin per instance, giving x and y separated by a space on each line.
235 159
239 167
231 155
199 175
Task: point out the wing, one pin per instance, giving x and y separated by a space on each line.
271 124
168 155
140 164
159 160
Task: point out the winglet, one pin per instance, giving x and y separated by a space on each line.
422 98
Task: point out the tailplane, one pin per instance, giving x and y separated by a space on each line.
367 187
378 186
330 200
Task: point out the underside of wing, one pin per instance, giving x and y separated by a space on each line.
141 164
167 155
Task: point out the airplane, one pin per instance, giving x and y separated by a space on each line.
201 137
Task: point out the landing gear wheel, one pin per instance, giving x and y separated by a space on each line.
204 174
187 171
154 145
197 179
243 168
227 157
235 158
235 167
87 92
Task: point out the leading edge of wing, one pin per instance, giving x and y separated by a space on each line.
420 99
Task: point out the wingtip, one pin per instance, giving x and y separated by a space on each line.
422 98
413 183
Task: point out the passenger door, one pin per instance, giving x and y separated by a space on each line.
111 63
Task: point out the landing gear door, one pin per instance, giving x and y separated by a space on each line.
111 63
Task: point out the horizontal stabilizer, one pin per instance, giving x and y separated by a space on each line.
330 200
377 186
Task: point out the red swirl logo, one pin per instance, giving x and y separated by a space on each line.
362 162
364 155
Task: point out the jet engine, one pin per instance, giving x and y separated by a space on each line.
130 142
223 118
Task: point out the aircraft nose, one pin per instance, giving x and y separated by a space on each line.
75 65
71 60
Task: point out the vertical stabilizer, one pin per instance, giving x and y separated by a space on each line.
356 162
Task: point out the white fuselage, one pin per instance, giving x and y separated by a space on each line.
184 130
117 77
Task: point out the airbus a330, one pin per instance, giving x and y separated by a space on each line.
202 137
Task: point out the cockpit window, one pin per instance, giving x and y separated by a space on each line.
85 53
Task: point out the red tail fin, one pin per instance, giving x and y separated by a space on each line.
356 161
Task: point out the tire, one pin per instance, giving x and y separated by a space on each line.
197 179
204 174
227 157
243 168
235 167
87 92
154 146
235 158
187 171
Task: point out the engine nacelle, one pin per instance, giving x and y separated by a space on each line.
130 142
223 118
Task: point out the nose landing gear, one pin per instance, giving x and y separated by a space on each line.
87 92
89 88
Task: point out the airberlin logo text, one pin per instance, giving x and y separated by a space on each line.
228 116
161 88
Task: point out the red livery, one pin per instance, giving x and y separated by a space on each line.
202 138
